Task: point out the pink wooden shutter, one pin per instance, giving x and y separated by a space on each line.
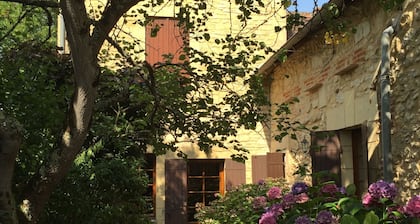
234 173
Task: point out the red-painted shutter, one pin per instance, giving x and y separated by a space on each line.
326 161
175 191
169 39
234 174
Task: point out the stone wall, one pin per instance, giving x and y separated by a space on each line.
405 100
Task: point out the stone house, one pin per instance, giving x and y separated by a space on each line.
176 186
337 81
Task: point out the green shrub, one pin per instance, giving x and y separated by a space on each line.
101 191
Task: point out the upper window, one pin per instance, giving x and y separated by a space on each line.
165 41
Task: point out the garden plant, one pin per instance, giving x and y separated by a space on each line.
271 202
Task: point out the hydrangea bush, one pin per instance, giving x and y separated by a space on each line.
272 202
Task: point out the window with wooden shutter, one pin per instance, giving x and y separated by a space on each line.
205 180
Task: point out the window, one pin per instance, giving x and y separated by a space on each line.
205 179
195 182
150 196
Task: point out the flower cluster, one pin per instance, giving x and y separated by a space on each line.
412 208
381 190
290 204
271 203
325 205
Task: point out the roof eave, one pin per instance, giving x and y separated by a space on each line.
313 24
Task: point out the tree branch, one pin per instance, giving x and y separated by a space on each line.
114 10
38 3
21 17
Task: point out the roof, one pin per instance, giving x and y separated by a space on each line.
312 25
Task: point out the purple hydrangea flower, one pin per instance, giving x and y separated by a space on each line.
382 189
269 217
342 190
303 220
274 193
299 187
412 208
259 202
261 182
277 209
325 217
288 200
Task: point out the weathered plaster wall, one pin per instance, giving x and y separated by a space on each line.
405 100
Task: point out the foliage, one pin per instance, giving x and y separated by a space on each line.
325 203
25 23
33 91
100 190
35 82
236 206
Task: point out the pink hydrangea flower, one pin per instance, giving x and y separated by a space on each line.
368 200
288 200
274 193
301 198
268 217
412 208
329 189
259 202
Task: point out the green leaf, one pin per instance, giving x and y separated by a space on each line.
351 189
371 218
348 219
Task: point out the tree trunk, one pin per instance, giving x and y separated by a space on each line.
10 139
86 74
84 48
